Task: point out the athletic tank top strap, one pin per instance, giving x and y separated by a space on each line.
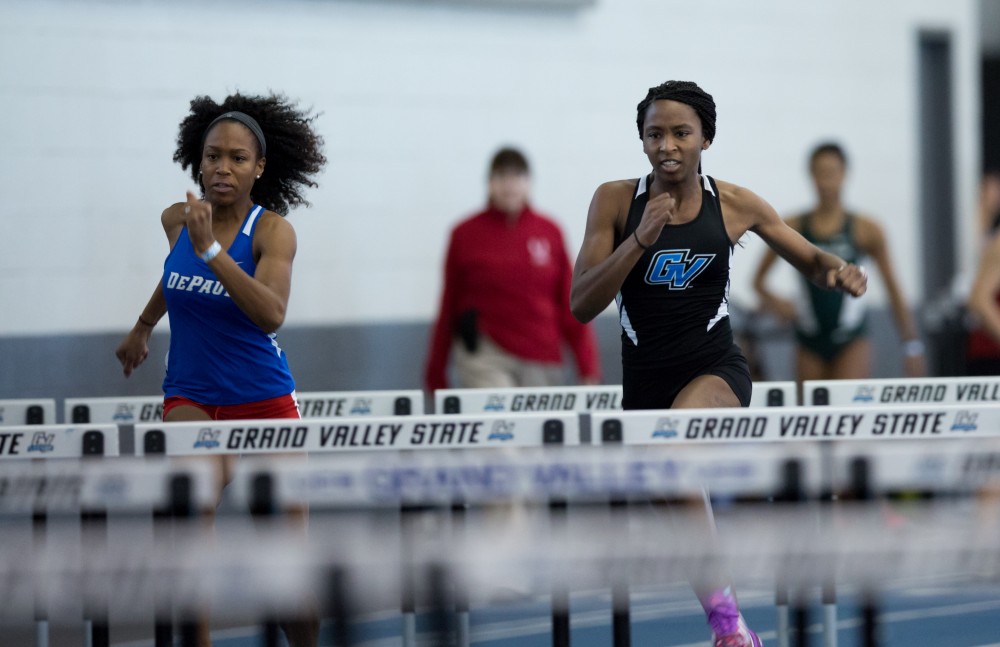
713 191
640 197
241 249
250 221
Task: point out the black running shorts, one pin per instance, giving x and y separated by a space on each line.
656 388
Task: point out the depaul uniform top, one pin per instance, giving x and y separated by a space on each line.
830 317
674 304
217 355
517 275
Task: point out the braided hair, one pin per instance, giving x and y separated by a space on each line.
683 92
294 150
828 147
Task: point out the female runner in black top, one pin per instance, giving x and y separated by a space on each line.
660 245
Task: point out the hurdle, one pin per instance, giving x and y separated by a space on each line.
128 410
365 434
830 425
954 463
331 404
89 489
722 426
578 475
888 392
39 441
956 468
882 392
124 410
576 398
28 411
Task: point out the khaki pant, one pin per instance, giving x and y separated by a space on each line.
493 367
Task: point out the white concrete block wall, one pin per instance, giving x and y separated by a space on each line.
414 99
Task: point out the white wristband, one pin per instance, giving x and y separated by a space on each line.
212 251
913 348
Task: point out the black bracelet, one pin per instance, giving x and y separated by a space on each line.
146 323
634 235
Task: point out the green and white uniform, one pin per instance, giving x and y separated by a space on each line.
829 320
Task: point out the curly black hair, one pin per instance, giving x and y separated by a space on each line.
683 92
294 150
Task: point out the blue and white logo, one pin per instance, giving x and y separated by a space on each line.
864 394
361 407
495 403
113 488
41 442
676 268
1 415
502 430
665 428
965 421
124 413
208 438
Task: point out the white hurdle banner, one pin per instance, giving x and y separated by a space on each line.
57 441
128 410
957 465
124 484
28 411
774 394
882 392
575 398
673 426
335 404
531 474
356 434
123 410
526 399
590 474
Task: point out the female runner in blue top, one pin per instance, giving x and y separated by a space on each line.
227 277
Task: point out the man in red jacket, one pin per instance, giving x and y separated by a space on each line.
505 305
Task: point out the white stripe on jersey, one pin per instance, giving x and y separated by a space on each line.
640 188
724 304
253 216
625 322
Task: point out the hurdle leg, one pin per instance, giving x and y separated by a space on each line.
558 509
781 611
560 616
409 584
163 622
621 621
869 620
441 631
800 616
96 627
829 615
462 624
39 521
339 606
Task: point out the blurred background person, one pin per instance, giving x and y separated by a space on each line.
983 343
504 314
989 203
831 330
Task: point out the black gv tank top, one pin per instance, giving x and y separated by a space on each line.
674 304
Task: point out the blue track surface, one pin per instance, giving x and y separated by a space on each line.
926 615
